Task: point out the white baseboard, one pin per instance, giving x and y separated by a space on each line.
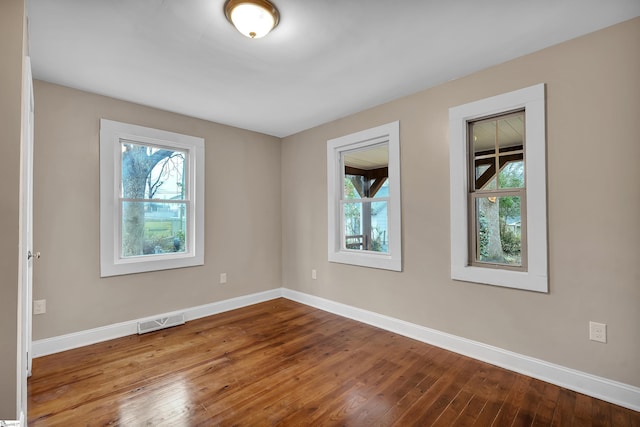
608 390
598 387
60 343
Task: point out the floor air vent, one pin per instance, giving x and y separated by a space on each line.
160 323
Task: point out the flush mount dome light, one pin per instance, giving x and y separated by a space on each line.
253 18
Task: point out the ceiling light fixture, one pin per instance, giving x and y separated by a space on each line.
253 18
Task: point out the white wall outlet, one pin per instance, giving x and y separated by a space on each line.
223 277
598 332
39 306
314 274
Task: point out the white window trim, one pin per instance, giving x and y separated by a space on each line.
532 99
111 264
389 133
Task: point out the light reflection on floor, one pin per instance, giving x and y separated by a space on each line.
166 402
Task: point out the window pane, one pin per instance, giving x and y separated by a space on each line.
353 187
367 170
511 132
379 241
491 185
511 143
366 226
483 137
380 188
481 169
359 187
153 228
512 175
369 158
152 173
507 133
352 222
498 230
483 142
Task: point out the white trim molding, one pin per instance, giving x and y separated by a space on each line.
601 388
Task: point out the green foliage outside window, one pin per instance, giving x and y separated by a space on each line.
508 224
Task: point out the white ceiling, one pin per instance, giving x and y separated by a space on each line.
325 60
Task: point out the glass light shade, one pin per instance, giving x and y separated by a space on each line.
252 20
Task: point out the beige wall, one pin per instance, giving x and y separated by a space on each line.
12 16
593 150
242 216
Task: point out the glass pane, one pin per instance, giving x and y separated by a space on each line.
153 228
512 175
352 222
152 173
366 226
367 169
511 144
353 187
379 188
372 157
498 230
483 141
481 169
357 187
491 185
379 241
483 137
511 132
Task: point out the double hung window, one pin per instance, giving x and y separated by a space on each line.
363 172
498 190
152 196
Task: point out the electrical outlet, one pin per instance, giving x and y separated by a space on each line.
39 306
223 277
598 332
314 274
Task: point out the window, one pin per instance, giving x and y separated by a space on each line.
498 190
364 198
151 199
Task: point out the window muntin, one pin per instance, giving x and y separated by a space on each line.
498 192
151 199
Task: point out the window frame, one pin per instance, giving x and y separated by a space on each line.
475 194
112 134
535 278
337 252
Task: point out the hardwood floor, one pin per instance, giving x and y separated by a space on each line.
287 364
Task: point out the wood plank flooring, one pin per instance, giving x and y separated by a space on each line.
286 364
